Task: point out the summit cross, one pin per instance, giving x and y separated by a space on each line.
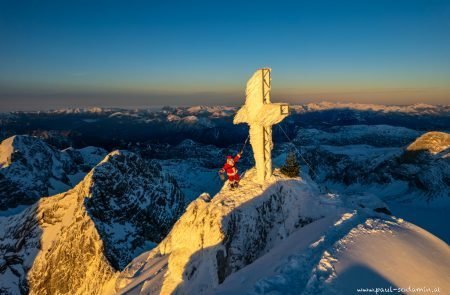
260 114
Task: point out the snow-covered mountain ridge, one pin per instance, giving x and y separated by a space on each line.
421 170
279 238
118 128
246 242
375 135
30 169
285 237
356 252
218 236
416 109
75 242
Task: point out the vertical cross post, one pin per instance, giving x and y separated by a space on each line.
260 114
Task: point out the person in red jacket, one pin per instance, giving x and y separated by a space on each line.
231 170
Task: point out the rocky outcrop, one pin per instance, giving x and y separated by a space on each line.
132 203
75 242
30 169
217 237
432 142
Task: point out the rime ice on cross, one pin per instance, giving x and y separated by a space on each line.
261 114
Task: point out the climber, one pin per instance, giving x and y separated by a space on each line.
231 170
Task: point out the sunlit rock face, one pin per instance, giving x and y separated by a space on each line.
75 242
30 169
432 142
217 237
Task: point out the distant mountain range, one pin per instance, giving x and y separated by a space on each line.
420 169
417 109
117 128
219 111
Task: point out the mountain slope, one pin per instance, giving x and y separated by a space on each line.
132 202
74 242
217 237
374 253
279 238
30 169
419 171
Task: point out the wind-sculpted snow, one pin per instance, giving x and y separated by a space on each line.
75 242
381 253
337 256
30 169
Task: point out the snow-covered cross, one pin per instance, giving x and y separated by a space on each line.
260 114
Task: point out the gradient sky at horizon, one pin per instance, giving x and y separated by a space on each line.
144 53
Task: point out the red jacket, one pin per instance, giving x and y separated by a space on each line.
231 169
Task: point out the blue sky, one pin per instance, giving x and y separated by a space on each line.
145 53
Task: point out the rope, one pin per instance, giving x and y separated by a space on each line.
304 160
245 143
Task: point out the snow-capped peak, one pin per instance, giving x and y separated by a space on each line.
30 168
433 142
20 143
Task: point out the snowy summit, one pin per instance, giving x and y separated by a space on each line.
285 237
